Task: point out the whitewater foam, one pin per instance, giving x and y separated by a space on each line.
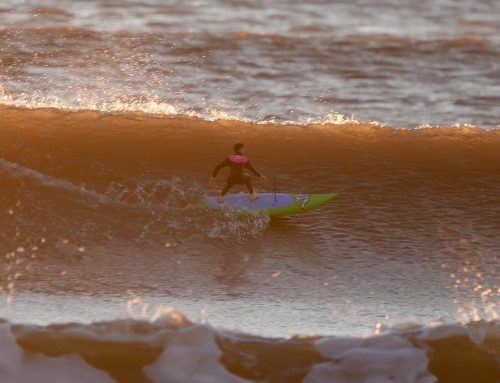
165 350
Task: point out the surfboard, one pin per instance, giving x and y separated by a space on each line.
270 204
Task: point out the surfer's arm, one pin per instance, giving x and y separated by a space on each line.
219 166
250 167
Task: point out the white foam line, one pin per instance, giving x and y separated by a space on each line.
50 181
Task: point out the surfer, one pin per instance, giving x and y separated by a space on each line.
237 163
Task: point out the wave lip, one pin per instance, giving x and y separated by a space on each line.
171 348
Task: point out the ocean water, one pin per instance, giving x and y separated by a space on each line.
113 114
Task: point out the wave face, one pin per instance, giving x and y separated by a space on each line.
171 349
289 61
86 193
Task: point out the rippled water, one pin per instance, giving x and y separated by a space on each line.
400 64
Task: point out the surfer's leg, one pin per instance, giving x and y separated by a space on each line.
224 191
253 195
248 183
228 187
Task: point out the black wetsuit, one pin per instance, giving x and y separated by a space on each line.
237 164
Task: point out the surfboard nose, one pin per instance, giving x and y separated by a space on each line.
311 201
320 199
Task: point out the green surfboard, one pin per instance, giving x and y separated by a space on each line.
269 204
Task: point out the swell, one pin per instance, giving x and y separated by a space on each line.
171 348
111 165
97 148
97 151
90 178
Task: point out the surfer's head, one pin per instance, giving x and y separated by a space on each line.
239 148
